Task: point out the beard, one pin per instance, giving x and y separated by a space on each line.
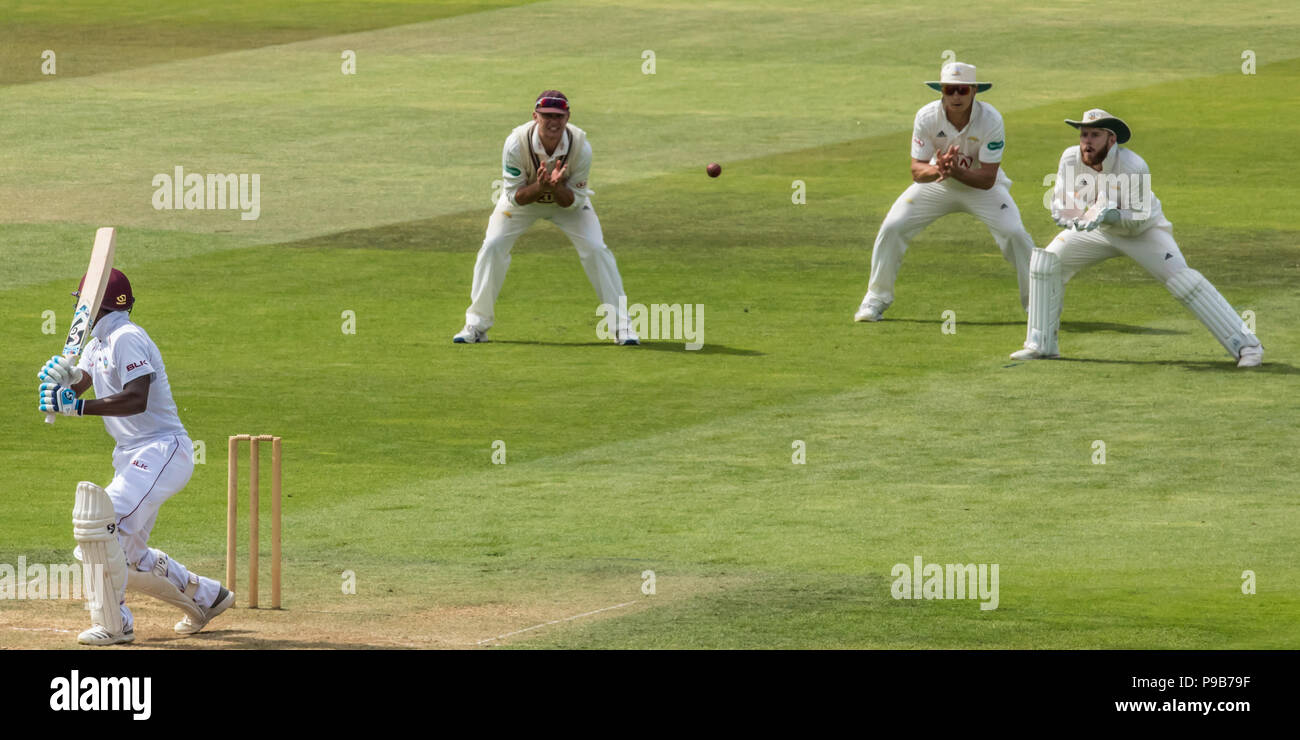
1096 157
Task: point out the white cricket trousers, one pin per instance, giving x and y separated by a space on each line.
924 203
1154 249
1158 253
507 222
146 476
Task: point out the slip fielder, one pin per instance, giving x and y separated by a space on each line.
957 147
153 459
1122 217
545 165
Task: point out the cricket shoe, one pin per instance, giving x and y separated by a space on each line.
1031 354
225 600
1251 356
627 338
97 635
470 335
869 311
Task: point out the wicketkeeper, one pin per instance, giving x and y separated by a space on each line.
1103 200
957 147
545 165
153 460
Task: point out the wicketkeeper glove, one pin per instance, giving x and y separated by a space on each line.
60 370
1108 216
56 399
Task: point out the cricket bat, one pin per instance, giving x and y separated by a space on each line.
92 295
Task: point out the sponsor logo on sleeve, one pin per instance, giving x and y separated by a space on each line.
918 142
136 365
994 146
513 171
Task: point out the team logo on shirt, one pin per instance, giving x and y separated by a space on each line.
139 465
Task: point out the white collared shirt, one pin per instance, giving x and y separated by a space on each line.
982 140
118 353
1079 185
515 163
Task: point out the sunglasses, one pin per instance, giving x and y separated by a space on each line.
560 103
956 89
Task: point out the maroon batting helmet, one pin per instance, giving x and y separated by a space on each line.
117 295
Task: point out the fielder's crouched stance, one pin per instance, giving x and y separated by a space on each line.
153 460
957 146
1123 217
545 165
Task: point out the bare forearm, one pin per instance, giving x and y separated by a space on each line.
924 172
980 179
132 400
120 404
80 386
531 192
528 193
563 196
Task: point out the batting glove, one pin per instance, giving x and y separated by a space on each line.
56 399
61 371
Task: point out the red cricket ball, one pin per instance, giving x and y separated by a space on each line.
714 169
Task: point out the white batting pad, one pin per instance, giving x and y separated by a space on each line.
156 583
1194 291
94 526
1046 298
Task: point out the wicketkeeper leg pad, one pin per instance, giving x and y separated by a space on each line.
94 526
1194 291
1046 299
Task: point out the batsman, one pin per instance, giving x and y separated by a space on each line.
153 460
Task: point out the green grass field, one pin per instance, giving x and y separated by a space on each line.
376 190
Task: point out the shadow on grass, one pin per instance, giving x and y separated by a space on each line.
707 349
1226 365
888 320
1089 327
1083 327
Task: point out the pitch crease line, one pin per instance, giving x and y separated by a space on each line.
555 621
